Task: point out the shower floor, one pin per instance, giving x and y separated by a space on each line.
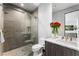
22 51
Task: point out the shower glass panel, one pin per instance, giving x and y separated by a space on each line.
17 28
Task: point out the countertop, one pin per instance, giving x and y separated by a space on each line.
69 44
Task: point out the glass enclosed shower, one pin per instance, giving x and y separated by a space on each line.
20 27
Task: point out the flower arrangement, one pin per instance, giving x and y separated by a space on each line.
55 26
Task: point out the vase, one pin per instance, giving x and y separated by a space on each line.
55 35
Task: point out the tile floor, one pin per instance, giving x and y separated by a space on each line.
22 51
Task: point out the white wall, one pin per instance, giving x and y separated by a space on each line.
45 17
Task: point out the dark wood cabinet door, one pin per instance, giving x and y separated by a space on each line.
53 50
49 49
69 52
59 50
77 53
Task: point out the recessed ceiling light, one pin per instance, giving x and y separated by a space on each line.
22 4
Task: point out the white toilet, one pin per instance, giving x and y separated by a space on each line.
37 48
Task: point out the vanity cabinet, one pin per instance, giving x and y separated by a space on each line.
52 49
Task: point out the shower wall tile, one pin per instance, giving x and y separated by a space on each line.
15 26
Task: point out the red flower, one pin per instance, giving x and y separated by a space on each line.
53 23
57 23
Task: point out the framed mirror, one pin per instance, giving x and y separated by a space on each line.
72 24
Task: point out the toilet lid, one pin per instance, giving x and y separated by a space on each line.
37 46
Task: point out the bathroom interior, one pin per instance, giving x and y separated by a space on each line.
25 29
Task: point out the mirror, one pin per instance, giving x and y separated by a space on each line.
71 24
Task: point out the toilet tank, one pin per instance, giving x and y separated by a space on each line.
41 41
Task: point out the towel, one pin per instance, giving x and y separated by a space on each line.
2 40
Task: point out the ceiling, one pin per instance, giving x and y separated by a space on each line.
28 6
56 6
61 6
